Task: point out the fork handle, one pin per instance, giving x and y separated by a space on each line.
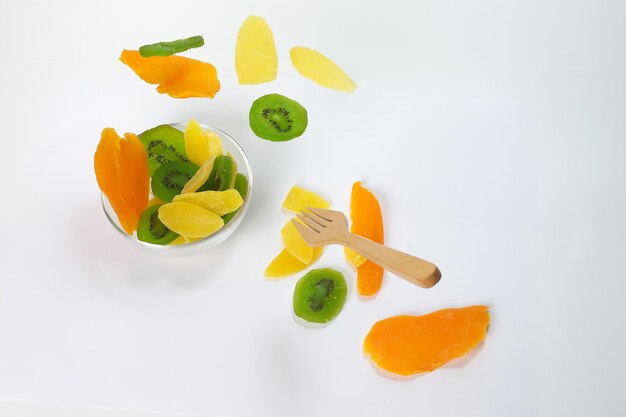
411 268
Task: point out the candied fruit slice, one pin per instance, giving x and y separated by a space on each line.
121 166
285 264
367 221
354 258
295 245
406 345
256 60
177 76
189 220
218 202
201 144
320 69
200 177
299 199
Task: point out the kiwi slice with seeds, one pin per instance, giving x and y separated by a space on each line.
163 144
277 118
319 295
223 175
152 230
170 178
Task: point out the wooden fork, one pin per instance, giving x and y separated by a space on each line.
327 227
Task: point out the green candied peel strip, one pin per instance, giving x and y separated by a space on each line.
171 48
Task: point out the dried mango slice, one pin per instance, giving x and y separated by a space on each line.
256 60
367 221
177 76
218 202
121 166
320 69
189 220
299 199
285 264
295 245
201 144
406 345
200 177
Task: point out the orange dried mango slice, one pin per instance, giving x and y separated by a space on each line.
367 221
407 345
176 76
121 166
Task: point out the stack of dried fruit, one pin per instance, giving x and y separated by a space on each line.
297 254
196 188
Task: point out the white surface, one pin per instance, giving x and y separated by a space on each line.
493 133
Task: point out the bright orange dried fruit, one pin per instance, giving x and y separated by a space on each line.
367 221
121 166
407 345
177 76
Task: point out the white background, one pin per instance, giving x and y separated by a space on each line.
492 132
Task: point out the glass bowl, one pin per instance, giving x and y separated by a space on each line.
231 146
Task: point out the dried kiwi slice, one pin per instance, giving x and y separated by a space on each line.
171 48
319 295
163 144
170 178
241 185
152 230
277 118
222 176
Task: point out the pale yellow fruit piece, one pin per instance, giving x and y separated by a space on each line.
298 199
201 144
320 69
189 220
295 245
180 240
215 144
354 258
285 264
219 202
200 177
256 60
196 143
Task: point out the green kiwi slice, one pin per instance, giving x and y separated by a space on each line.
223 175
170 178
319 295
241 185
277 118
163 144
151 230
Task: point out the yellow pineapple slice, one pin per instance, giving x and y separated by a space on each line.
354 258
295 245
201 144
218 202
299 199
320 69
256 61
285 264
189 220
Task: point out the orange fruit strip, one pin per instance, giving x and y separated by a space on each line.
177 76
406 345
367 221
121 166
